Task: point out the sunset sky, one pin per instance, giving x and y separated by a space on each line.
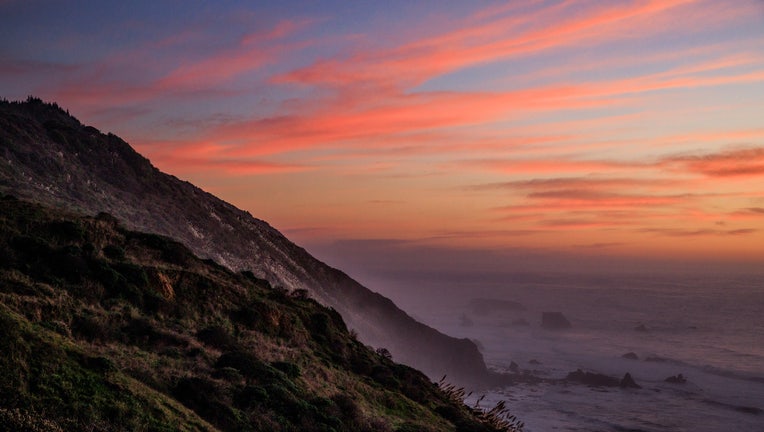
445 131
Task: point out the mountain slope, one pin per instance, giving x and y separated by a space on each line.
48 156
106 329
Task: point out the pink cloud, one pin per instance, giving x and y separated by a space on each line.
748 162
491 37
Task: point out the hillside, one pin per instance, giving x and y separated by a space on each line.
48 156
102 328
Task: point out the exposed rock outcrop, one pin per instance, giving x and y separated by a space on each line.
628 382
593 379
676 379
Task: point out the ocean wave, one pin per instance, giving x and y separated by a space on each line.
726 373
739 408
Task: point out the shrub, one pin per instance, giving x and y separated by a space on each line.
139 330
108 218
114 252
300 294
290 369
384 353
249 366
217 337
250 396
252 278
384 375
91 328
208 400
69 264
66 230
134 274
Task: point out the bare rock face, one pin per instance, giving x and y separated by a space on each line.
555 321
514 367
48 156
628 382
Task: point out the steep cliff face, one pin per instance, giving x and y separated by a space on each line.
50 157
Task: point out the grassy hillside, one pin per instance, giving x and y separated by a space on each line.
102 328
47 156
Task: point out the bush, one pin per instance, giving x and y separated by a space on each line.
66 230
217 337
114 252
249 366
172 251
251 396
290 369
91 328
384 353
300 294
139 330
134 274
208 400
69 264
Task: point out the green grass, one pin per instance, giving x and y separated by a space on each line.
106 329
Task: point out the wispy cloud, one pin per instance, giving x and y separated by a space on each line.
675 232
747 162
611 126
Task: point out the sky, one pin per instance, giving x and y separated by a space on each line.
438 135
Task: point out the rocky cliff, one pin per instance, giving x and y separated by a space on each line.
48 156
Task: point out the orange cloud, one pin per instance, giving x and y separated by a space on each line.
676 232
549 166
209 156
731 163
587 183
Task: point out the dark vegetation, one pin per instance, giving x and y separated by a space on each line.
106 329
47 156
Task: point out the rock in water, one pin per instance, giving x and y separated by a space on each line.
514 367
554 321
677 379
628 382
592 379
640 328
630 356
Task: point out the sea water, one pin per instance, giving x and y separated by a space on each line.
709 329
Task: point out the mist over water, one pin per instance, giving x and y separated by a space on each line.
708 328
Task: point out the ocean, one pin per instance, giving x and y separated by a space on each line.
710 329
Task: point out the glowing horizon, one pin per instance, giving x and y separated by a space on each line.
623 128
